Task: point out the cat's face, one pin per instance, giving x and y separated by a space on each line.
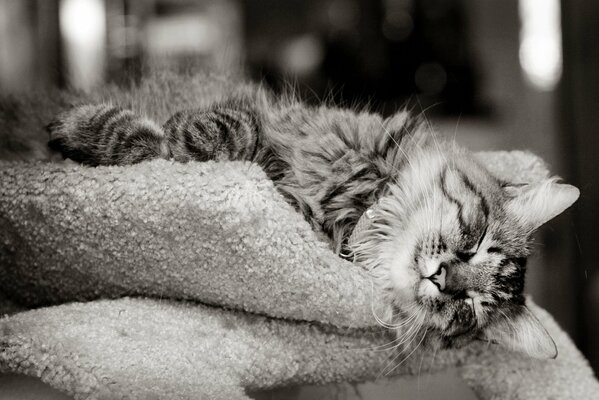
455 251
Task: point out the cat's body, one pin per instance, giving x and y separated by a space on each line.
331 164
446 239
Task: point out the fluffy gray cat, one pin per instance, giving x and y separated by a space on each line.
446 240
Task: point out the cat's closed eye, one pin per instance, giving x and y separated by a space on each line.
465 256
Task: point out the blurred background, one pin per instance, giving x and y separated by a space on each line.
511 74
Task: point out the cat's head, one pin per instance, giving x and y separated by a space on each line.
451 247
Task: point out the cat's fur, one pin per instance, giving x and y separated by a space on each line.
447 240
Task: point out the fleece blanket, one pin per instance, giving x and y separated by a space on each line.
171 281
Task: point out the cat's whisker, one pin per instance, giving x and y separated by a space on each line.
382 371
455 132
405 358
385 324
413 330
414 335
509 322
409 355
401 339
390 345
435 351
412 316
404 322
408 336
420 369
473 308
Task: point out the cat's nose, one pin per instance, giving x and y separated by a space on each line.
438 278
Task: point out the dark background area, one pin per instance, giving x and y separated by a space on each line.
512 74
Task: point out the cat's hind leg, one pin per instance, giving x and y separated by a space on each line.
106 135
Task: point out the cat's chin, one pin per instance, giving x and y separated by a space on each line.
436 340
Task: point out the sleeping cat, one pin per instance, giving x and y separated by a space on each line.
446 240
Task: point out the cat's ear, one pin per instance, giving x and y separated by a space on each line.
397 121
402 124
522 333
535 204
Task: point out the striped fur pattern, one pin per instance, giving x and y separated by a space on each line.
448 241
106 135
228 132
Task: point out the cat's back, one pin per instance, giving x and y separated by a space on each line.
324 132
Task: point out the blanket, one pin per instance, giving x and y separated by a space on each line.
164 280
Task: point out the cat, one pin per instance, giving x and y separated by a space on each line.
446 240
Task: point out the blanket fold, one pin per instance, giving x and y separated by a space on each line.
240 294
152 349
208 232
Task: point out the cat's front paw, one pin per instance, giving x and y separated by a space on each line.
73 133
106 135
59 140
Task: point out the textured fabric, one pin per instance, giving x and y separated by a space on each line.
285 309
208 232
152 349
